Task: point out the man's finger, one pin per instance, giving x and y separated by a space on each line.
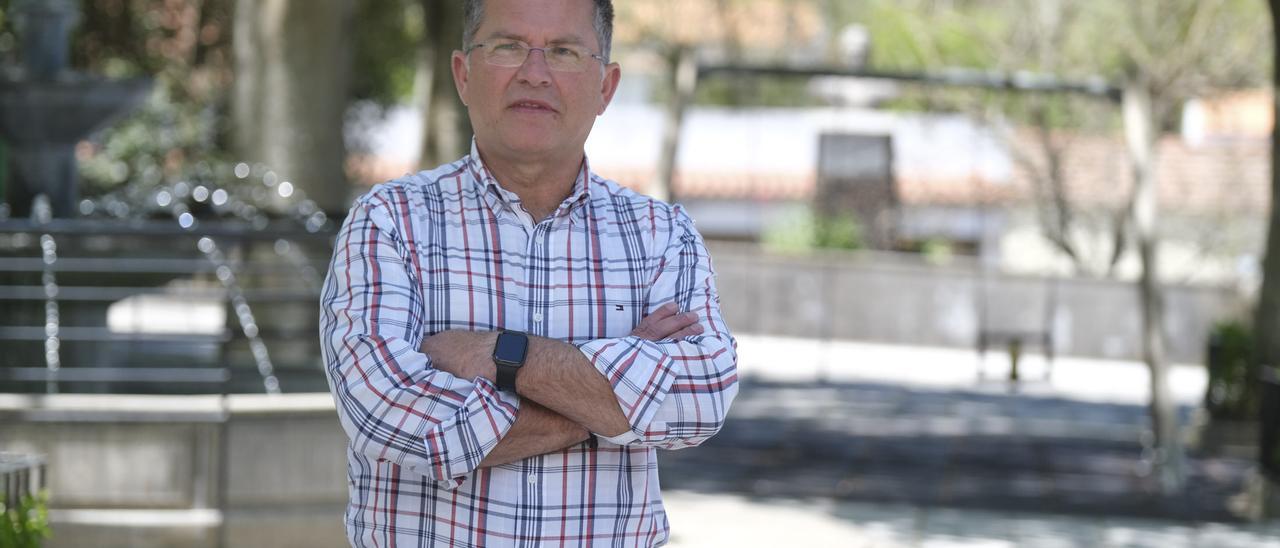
668 327
649 327
663 312
695 329
660 329
684 329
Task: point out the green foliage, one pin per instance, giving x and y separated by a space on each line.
185 49
388 37
182 131
914 34
184 46
27 525
1186 47
805 231
1233 373
937 251
838 232
164 141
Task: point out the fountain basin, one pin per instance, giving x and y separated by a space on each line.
42 121
66 110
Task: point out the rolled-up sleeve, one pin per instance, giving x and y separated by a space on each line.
674 393
393 405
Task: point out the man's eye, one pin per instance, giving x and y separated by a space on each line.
567 53
507 46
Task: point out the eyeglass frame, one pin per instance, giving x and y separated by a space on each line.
529 50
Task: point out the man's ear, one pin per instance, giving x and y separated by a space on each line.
461 74
612 75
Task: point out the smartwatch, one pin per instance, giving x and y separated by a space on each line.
508 354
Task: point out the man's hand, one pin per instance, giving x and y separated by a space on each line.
469 354
665 323
463 354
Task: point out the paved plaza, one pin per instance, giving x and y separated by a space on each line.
721 520
854 444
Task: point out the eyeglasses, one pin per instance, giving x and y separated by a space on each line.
513 53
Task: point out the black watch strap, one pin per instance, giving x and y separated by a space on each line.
507 378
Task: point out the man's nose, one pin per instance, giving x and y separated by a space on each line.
535 72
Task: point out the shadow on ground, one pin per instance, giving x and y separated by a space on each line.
977 449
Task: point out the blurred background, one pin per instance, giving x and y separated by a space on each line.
998 269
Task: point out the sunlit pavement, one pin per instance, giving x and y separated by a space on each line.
721 520
784 359
852 444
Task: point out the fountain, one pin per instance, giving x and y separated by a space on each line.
46 108
173 289
160 299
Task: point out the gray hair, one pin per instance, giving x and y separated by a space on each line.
473 13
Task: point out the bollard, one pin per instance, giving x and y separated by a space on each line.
1015 352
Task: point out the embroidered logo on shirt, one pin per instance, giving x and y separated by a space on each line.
617 307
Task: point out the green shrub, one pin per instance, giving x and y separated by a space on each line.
27 525
1232 392
805 231
838 232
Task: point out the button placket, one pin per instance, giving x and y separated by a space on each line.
535 279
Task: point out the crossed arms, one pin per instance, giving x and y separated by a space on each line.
429 403
564 399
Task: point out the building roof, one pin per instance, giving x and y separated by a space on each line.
939 160
1217 176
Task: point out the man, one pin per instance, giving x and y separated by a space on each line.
509 337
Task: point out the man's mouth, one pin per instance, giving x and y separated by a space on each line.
528 104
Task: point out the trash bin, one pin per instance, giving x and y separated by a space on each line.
1269 424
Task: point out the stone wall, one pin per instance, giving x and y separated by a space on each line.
900 299
145 471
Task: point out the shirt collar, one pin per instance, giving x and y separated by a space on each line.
496 196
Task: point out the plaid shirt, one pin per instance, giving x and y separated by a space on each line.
451 249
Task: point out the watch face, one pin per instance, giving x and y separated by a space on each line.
510 348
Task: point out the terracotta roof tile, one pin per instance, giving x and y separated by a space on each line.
1223 175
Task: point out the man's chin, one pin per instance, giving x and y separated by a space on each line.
535 145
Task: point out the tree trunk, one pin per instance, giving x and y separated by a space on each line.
446 125
682 77
292 64
1267 315
1140 135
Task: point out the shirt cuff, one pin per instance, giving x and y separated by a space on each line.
458 447
641 375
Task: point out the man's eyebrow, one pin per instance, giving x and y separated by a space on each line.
568 39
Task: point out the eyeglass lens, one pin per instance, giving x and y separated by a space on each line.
562 58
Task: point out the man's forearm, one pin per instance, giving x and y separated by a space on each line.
559 377
556 374
537 431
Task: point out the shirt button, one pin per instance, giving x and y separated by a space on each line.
533 479
537 317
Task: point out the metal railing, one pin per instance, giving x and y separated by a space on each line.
21 476
67 286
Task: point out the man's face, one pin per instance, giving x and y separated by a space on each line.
531 110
